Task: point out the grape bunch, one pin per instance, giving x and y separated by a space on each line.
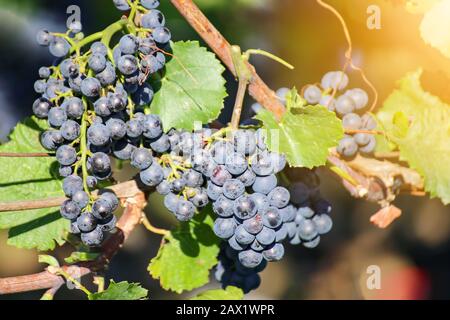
230 272
173 170
93 98
255 214
349 105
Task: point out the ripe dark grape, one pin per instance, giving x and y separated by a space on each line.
349 106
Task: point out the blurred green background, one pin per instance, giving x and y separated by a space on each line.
413 254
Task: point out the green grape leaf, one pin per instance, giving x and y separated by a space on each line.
79 256
121 291
51 261
419 124
435 27
187 254
192 88
304 133
30 179
230 293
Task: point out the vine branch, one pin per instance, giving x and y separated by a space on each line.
123 190
222 48
25 155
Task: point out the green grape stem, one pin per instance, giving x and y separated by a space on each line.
84 148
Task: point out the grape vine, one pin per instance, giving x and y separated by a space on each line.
104 102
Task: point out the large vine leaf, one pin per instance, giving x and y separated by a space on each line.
435 27
229 293
30 179
189 252
304 133
192 89
121 291
419 123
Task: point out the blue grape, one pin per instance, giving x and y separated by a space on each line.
108 224
266 236
99 48
152 126
134 128
122 5
65 171
224 228
253 225
233 189
281 233
312 94
161 35
271 218
40 86
214 191
247 178
44 72
56 117
141 159
200 199
123 149
51 139
288 213
102 208
70 130
262 164
127 64
146 46
41 108
98 134
44 38
101 162
66 155
312 244
102 107
307 230
70 210
250 258
93 238
74 107
244 207
150 4
129 44
153 19
153 175
107 76
193 178
275 253
220 175
242 236
223 207
265 185
76 27
59 47
86 222
117 128
279 197
323 223
171 202
81 199
144 95
91 87
97 63
236 164
233 243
